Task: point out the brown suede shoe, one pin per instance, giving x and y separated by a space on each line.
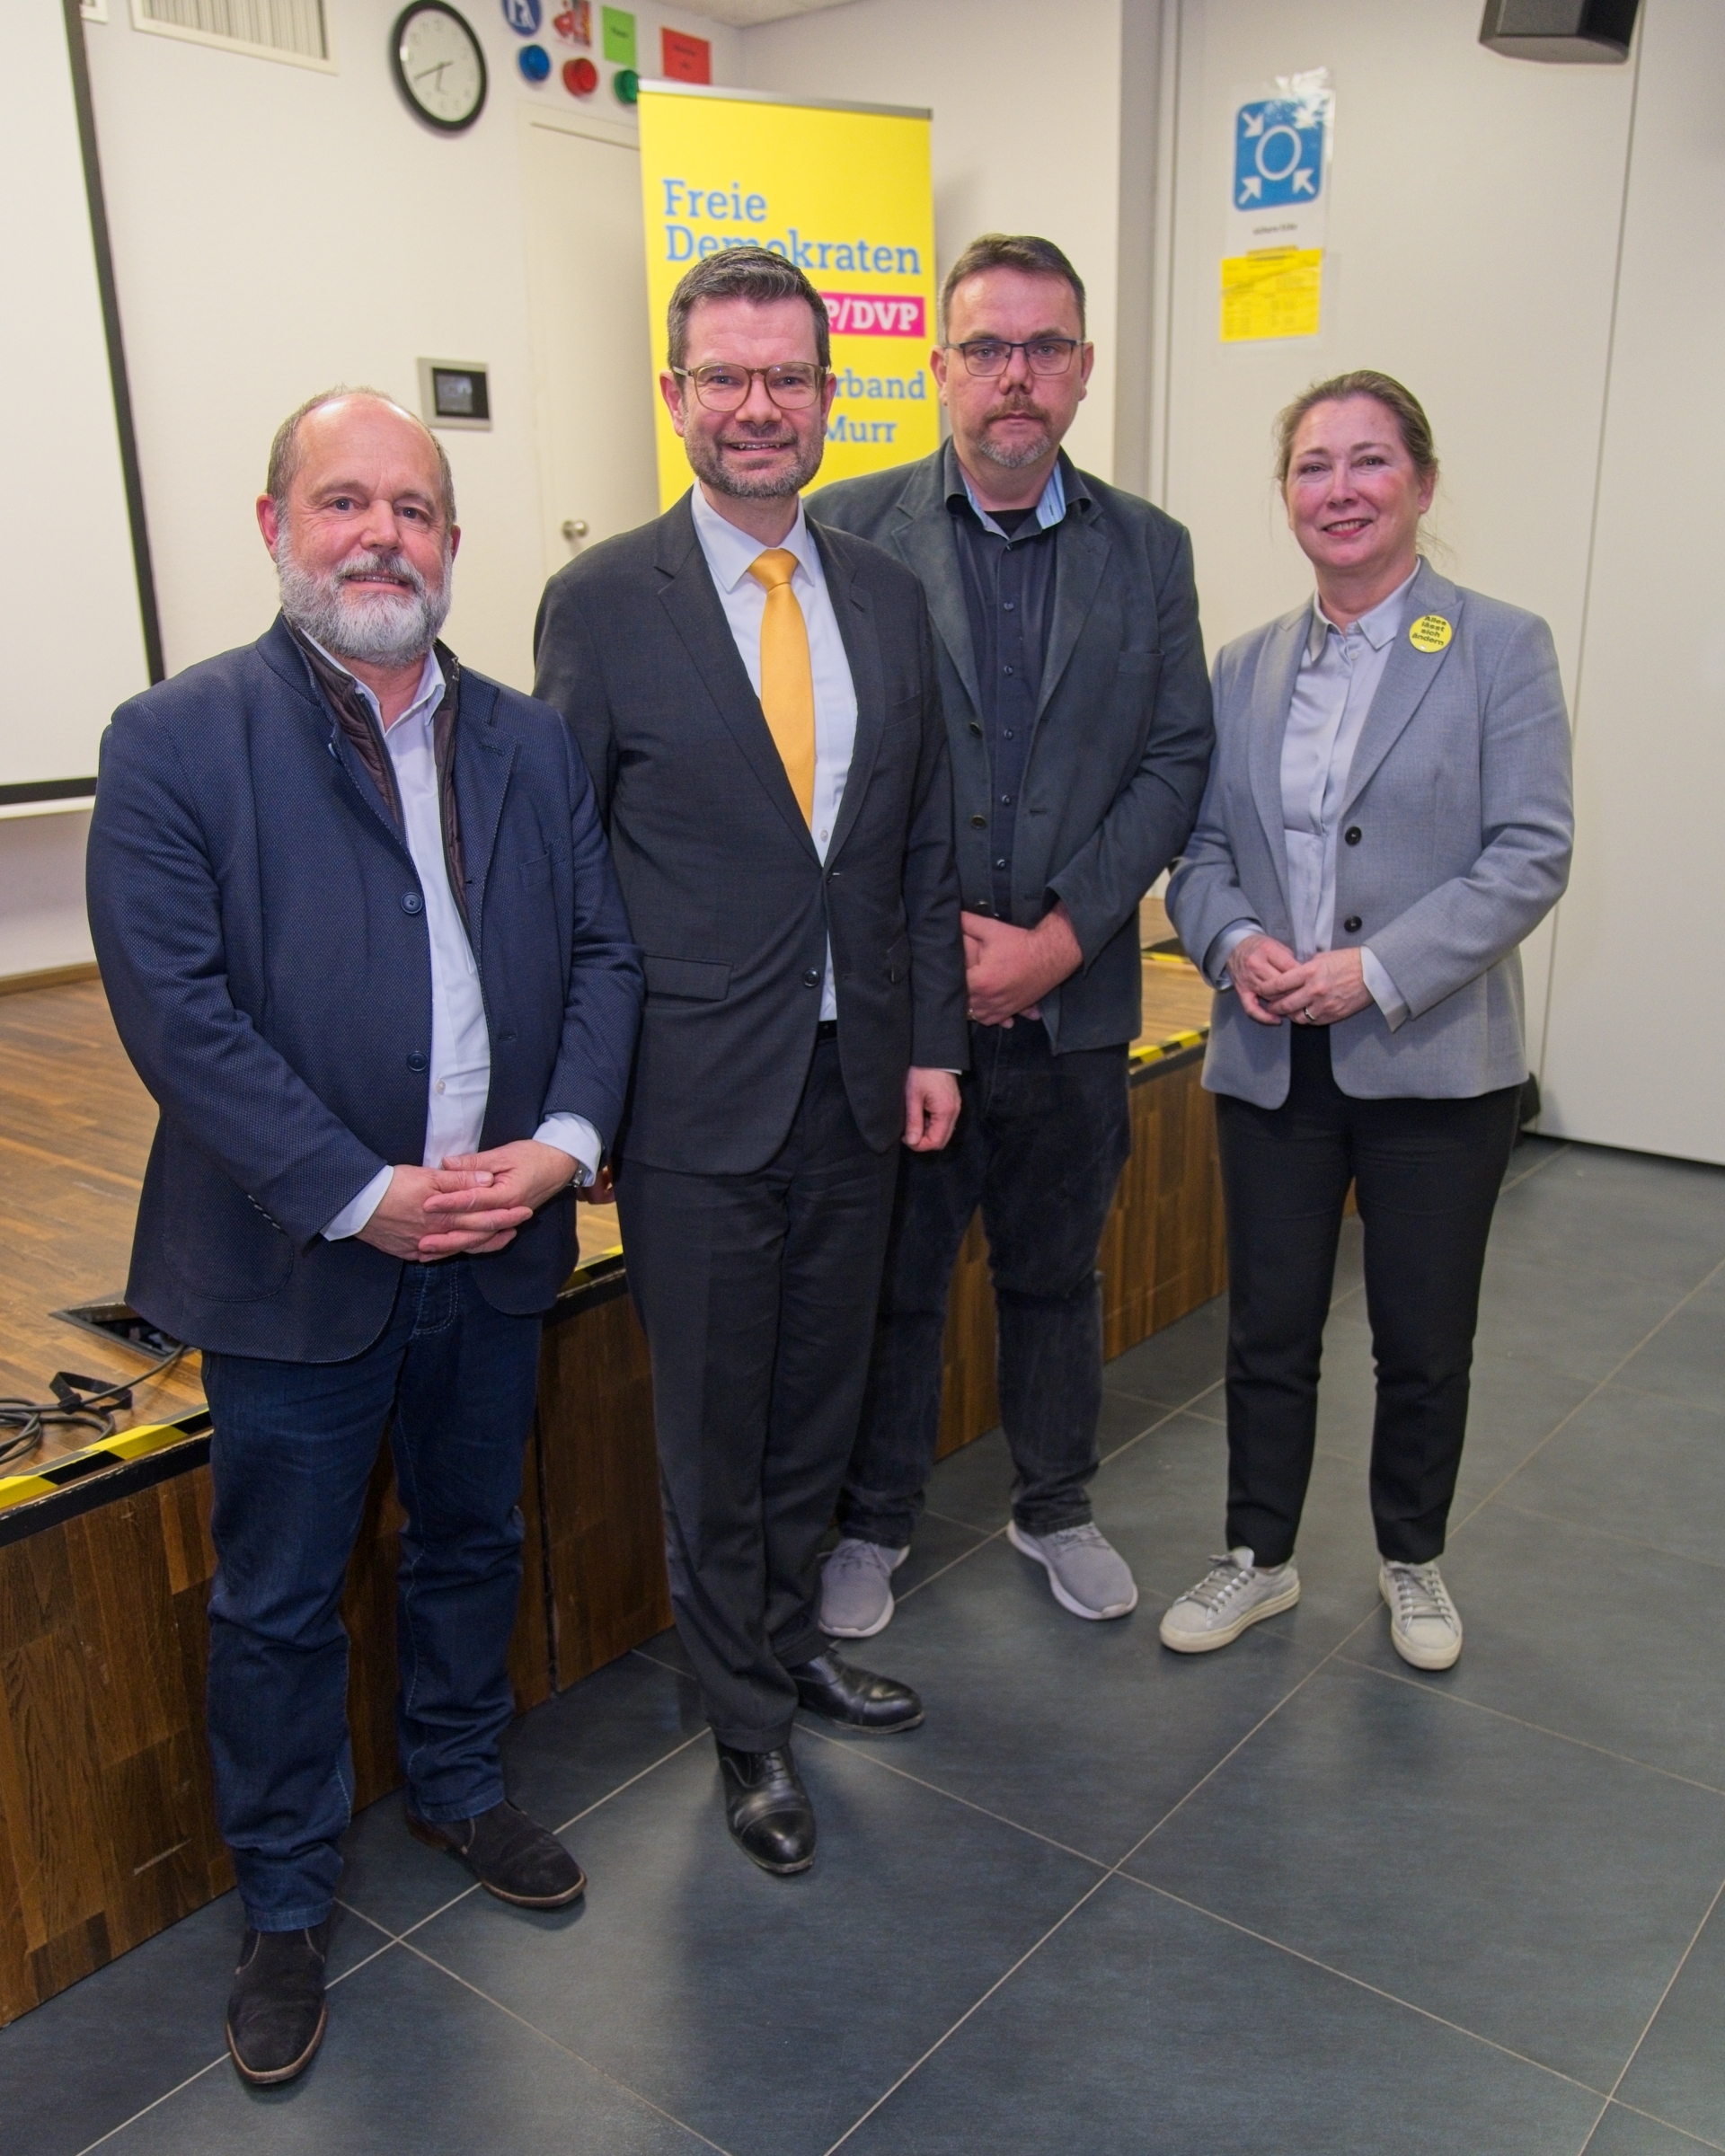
511 1855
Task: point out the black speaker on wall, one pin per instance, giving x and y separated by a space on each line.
1559 29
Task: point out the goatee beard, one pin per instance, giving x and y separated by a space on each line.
1015 458
378 628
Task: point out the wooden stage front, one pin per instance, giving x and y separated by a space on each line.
107 1830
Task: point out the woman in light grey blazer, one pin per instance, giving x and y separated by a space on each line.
1388 817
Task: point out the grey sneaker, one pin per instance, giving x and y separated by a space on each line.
1424 1627
855 1590
1088 1573
1234 1593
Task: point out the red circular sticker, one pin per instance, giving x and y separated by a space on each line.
580 77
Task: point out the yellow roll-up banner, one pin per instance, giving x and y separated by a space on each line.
844 191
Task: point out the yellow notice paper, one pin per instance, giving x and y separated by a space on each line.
1272 293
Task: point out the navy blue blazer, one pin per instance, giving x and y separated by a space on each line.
262 939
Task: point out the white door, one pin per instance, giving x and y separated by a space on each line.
592 352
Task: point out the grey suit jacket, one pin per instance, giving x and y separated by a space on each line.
726 894
1122 735
1460 793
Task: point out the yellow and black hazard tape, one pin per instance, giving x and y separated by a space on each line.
107 1451
1176 1044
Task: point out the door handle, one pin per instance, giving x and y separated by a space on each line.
574 528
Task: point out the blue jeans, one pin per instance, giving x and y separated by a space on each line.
291 1456
1040 1146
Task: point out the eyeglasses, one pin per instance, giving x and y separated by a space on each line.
993 354
723 387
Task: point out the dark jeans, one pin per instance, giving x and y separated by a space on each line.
1040 1146
292 1453
1427 1175
757 1295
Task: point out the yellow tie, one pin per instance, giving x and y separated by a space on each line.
787 680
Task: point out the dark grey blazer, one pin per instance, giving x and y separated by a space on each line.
1123 735
1459 832
725 892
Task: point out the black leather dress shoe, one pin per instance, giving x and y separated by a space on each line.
857 1697
767 1808
511 1855
275 2012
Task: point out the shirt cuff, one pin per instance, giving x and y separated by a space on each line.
1226 941
358 1211
1385 993
576 1136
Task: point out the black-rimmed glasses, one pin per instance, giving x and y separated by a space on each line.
993 354
723 387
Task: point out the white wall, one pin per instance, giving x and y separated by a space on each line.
275 229
1027 130
1636 1042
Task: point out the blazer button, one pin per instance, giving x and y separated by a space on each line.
1352 835
1352 925
979 823
411 903
418 1061
976 726
811 979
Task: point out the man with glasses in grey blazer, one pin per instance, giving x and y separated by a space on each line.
1077 714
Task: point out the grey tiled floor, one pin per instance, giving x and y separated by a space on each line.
1108 1901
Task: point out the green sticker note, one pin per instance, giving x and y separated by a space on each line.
619 33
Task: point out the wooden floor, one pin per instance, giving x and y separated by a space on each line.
76 1125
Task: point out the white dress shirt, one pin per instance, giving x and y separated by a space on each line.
730 553
1338 677
460 1080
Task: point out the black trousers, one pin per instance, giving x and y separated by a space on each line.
1427 1175
1040 1146
757 1295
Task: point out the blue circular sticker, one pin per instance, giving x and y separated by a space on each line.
534 62
523 17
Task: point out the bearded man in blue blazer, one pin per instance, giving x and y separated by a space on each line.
360 933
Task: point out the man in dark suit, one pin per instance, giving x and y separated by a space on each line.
362 939
1078 713
756 705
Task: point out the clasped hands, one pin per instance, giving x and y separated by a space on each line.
1008 970
1276 987
475 1202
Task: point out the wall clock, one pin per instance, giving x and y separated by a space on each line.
439 63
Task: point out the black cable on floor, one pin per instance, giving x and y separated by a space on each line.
78 1403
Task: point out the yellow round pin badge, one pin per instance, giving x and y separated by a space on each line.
1430 633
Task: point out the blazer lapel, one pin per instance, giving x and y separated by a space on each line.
926 543
691 601
1272 695
1407 673
861 640
484 758
1082 558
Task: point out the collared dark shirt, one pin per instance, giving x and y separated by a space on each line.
1008 563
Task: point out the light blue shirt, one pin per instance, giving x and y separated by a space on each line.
1050 507
730 553
460 1081
1338 677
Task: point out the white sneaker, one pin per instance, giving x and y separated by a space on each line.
1234 1593
856 1588
1424 1627
1087 1574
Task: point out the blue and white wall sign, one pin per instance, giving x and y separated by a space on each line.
523 16
1278 154
1282 138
